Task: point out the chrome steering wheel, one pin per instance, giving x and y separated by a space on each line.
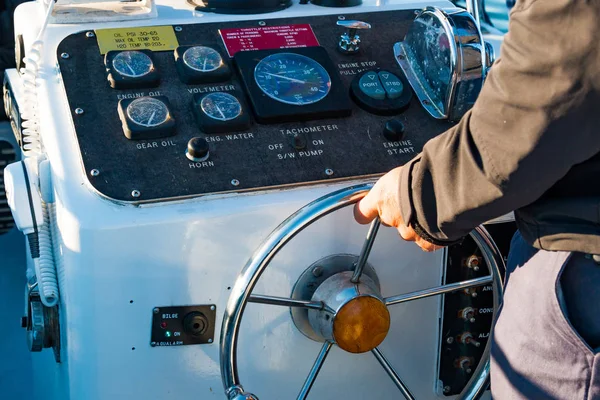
333 318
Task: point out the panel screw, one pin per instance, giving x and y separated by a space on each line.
317 271
262 23
153 344
212 308
94 172
156 310
426 102
341 17
235 182
328 172
210 340
450 340
89 34
178 29
79 111
447 389
64 55
135 193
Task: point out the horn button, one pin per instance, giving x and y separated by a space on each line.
355 316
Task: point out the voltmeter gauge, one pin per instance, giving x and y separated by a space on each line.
220 112
133 64
292 78
201 64
146 117
131 69
202 58
221 106
148 112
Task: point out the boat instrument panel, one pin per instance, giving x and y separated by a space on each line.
235 106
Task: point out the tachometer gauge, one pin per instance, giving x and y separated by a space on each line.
132 64
221 106
292 78
148 112
202 59
146 117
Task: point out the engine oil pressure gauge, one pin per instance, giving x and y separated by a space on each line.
220 112
131 69
146 117
200 64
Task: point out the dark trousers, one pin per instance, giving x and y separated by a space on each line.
546 340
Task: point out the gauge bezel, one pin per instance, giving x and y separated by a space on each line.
191 76
203 108
268 110
120 81
150 100
134 131
210 125
306 59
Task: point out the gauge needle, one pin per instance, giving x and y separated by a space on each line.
220 111
286 77
204 65
131 69
151 118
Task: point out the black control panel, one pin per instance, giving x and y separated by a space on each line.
205 117
183 325
468 313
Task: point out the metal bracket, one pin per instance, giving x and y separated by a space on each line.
42 324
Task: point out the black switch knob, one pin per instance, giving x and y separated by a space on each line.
394 130
195 323
197 149
299 142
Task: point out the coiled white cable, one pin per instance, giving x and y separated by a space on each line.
29 111
45 269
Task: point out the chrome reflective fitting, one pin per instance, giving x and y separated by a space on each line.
445 60
336 292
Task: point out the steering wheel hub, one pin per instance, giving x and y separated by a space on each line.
354 317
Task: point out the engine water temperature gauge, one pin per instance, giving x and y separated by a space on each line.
220 112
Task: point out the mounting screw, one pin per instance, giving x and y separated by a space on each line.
79 111
210 340
156 310
474 294
153 344
135 193
341 17
450 340
262 23
212 308
178 29
235 182
447 389
426 102
90 34
317 271
94 172
64 55
328 172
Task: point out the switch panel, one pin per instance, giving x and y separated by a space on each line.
183 325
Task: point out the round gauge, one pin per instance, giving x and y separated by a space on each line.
221 106
202 59
147 112
292 78
132 64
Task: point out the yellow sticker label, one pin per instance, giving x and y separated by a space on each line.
155 38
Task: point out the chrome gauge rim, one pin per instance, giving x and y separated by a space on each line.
241 294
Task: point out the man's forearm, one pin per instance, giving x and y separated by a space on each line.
536 117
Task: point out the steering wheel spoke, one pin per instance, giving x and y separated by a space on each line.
312 375
449 288
366 250
392 374
285 302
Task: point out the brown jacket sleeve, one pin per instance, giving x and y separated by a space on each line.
536 117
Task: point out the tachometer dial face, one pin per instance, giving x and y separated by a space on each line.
292 78
202 59
132 64
221 106
147 112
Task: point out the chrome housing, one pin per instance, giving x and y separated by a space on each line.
444 59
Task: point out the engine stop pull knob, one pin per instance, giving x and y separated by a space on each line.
197 149
350 40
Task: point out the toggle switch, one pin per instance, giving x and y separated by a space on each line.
467 338
350 40
468 314
464 363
